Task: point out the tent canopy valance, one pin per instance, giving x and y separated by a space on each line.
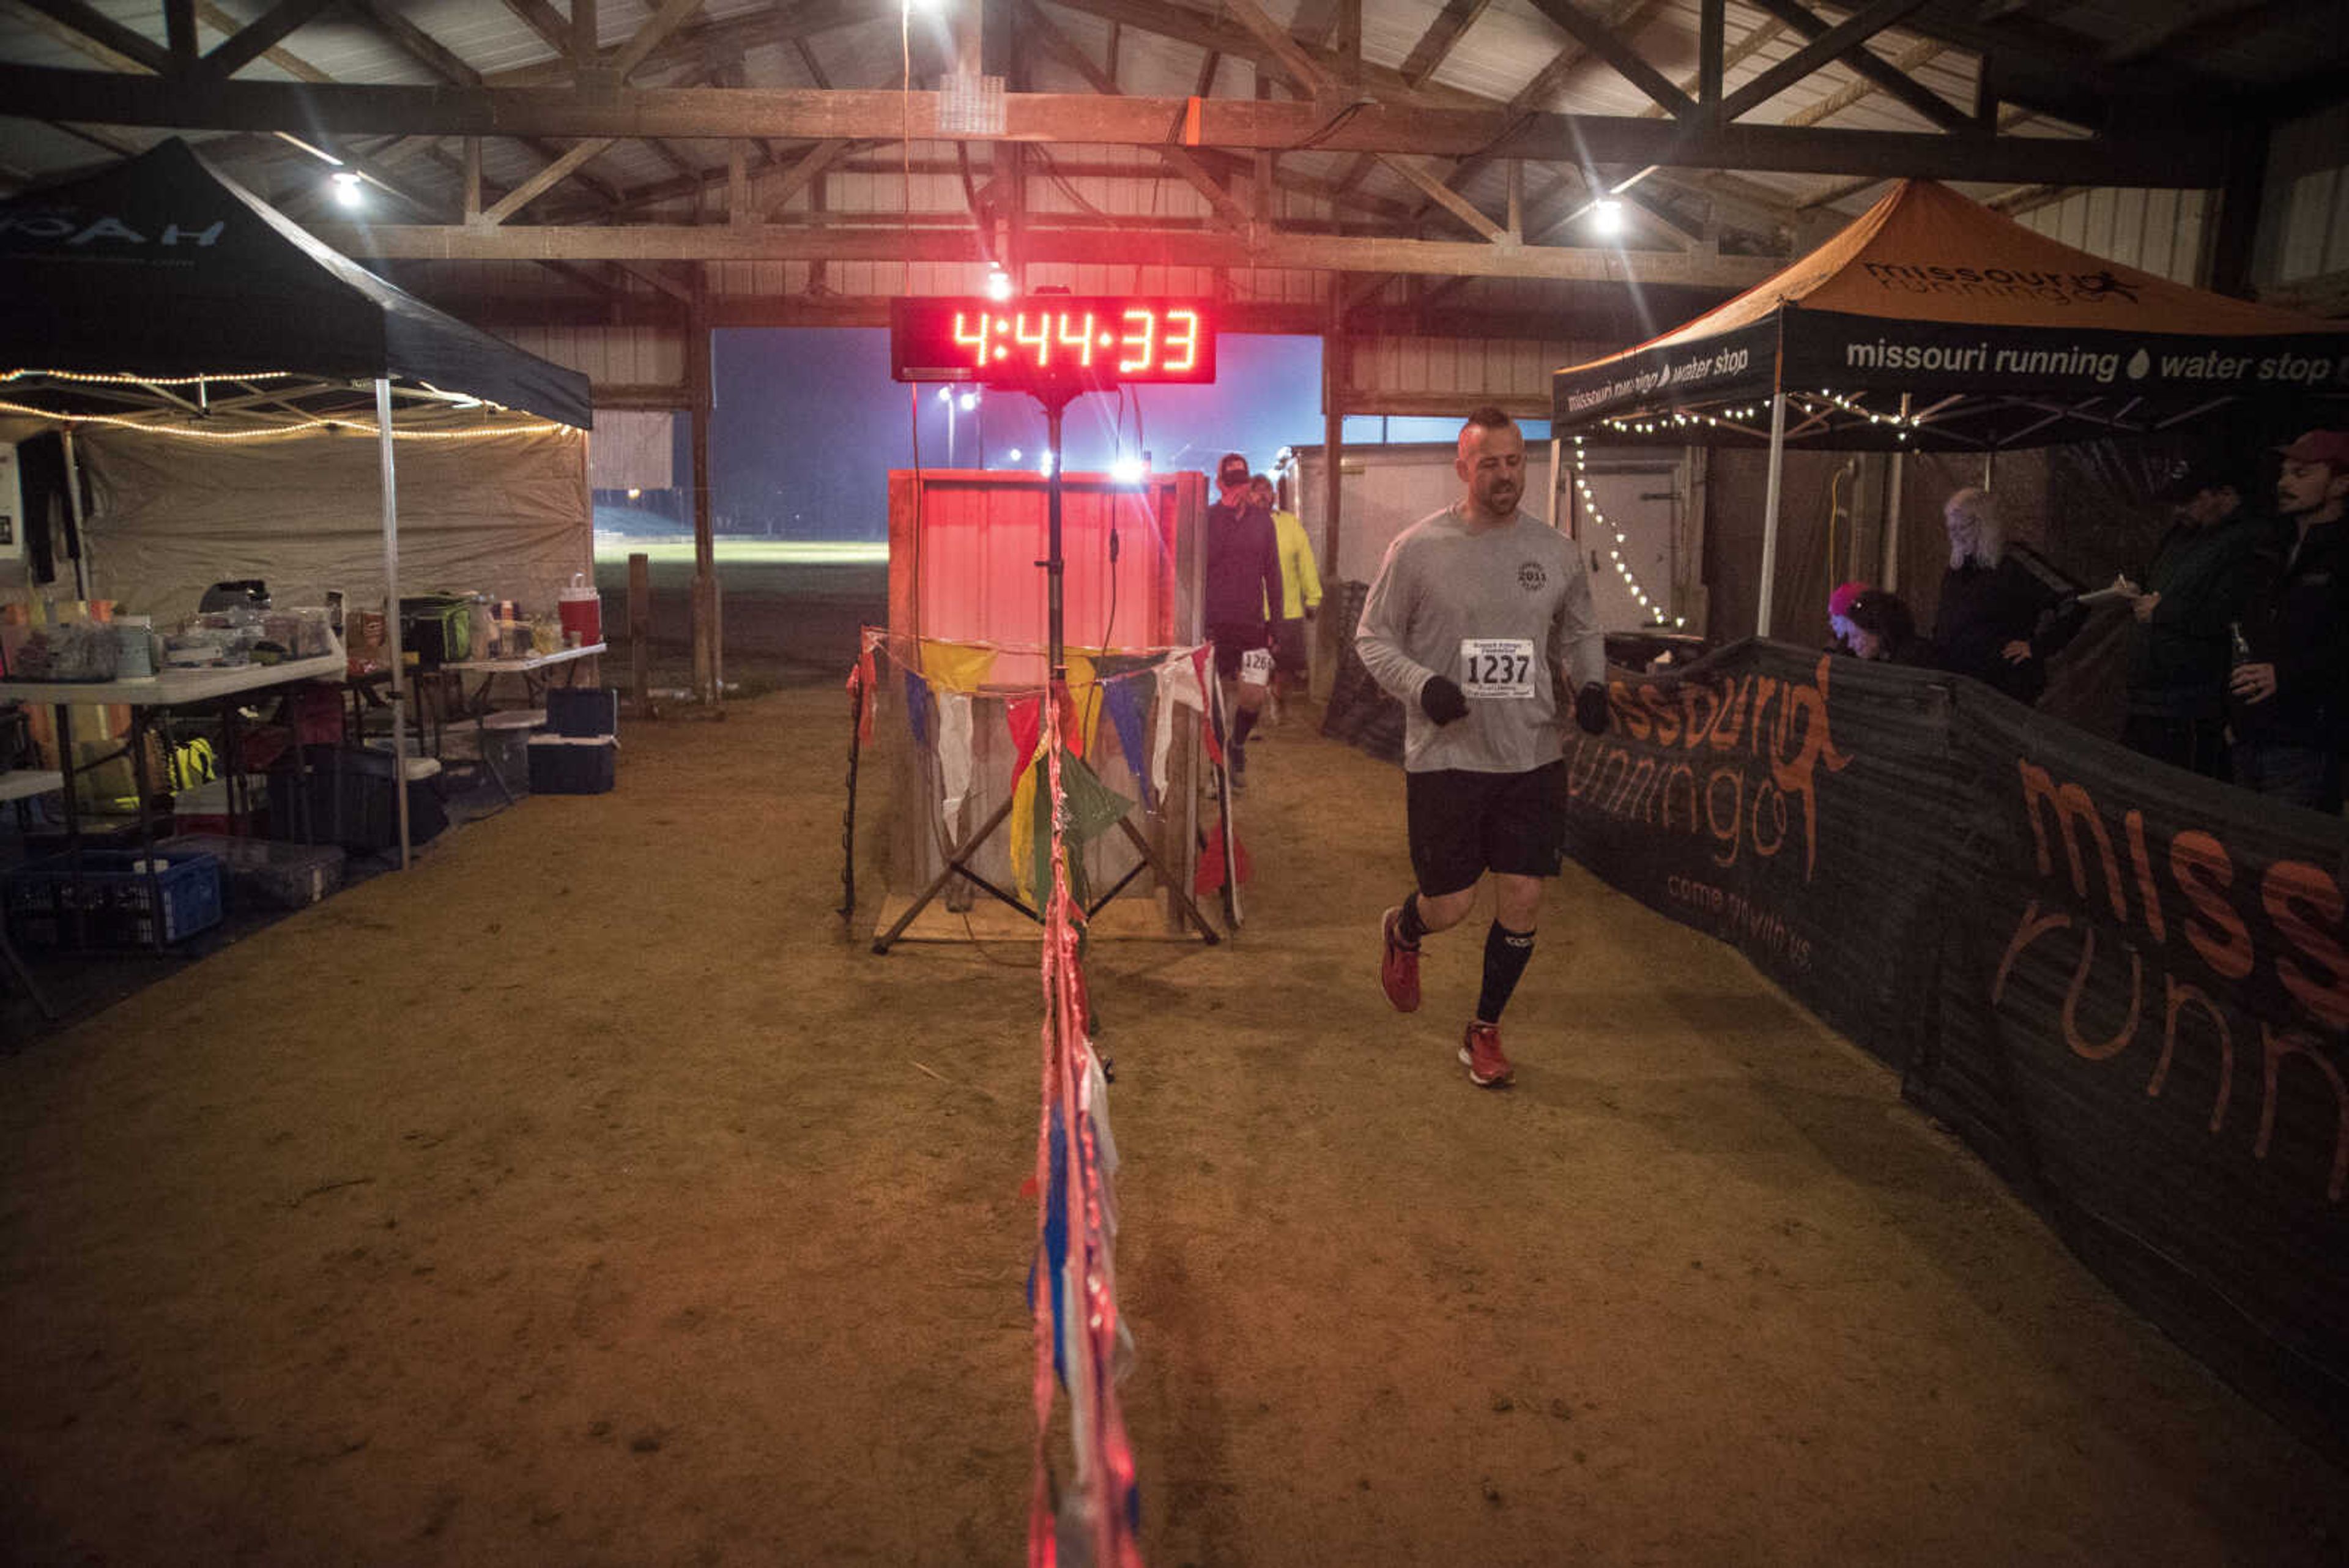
1932 322
166 277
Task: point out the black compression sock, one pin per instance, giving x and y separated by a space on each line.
1409 927
1240 728
1506 954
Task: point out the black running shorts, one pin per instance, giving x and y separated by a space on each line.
1231 641
1464 825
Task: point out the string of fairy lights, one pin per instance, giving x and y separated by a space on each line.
268 431
1615 551
1745 418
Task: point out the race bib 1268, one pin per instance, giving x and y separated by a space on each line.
1255 667
1496 666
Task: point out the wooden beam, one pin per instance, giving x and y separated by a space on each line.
1203 31
472 179
1602 39
585 31
1853 32
545 180
1191 247
1891 76
553 27
800 175
1443 196
285 60
250 43
656 31
807 58
1033 21
2183 156
1443 35
1929 103
179 32
1307 75
386 19
96 25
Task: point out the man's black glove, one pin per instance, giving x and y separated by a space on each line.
1590 709
1442 700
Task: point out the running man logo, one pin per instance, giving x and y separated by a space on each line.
1750 750
2007 282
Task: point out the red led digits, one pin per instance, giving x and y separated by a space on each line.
1040 340
1079 336
1051 340
1141 343
975 339
1183 330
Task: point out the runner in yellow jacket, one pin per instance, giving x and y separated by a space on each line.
1300 585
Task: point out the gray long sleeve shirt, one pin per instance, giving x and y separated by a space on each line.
1495 611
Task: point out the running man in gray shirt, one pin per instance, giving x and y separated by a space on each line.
1480 617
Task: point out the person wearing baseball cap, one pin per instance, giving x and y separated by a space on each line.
2289 690
1242 593
2193 590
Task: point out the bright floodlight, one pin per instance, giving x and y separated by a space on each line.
969 401
999 284
1015 454
347 187
1606 214
1044 463
946 394
1128 470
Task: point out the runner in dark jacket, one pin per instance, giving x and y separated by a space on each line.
1242 579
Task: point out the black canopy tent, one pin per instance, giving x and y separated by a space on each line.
1933 323
158 294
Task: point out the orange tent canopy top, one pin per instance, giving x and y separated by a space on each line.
2007 337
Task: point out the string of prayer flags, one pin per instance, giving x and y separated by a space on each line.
917 707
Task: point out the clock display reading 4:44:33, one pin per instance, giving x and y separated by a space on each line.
1054 340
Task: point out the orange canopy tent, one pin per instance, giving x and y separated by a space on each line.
1932 322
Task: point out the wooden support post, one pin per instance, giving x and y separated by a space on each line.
640 633
1336 375
2238 209
705 545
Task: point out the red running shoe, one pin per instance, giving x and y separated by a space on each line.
1398 965
1480 1048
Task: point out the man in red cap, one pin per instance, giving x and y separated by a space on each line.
2289 692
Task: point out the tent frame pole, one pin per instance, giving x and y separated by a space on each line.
73 509
391 610
1892 498
1770 510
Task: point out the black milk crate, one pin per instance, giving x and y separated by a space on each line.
110 905
268 873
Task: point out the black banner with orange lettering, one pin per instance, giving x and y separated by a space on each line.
2125 986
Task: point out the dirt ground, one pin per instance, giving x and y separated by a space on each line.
589 1196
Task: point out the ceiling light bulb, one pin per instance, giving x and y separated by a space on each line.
999 284
347 187
1606 216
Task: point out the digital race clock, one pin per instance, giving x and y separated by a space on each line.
1052 340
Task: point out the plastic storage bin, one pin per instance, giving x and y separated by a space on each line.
112 904
584 711
265 874
563 764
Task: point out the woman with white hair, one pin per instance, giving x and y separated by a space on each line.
2003 611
